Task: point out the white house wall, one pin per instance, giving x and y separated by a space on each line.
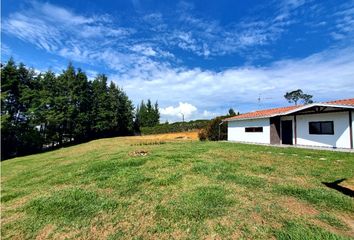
236 131
340 139
353 125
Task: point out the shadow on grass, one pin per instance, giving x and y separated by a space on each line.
334 185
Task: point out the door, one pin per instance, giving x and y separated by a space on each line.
287 132
275 130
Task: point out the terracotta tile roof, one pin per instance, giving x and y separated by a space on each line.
282 110
349 101
263 113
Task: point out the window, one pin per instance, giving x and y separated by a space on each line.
254 129
321 128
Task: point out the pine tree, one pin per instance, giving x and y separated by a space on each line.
156 114
101 117
147 115
83 103
44 110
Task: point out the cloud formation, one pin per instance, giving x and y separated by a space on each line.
145 57
183 110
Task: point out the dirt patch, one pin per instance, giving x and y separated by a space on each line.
256 218
45 232
139 153
11 218
296 207
182 137
330 228
100 232
173 136
348 183
350 223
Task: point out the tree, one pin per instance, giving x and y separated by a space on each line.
156 115
18 135
83 105
297 95
147 115
101 117
43 110
232 112
307 99
121 110
216 130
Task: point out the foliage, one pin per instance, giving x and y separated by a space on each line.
297 95
232 112
216 129
43 110
202 135
147 115
175 127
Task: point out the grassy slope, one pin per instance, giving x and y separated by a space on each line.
179 190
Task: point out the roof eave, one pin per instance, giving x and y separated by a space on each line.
293 111
315 105
240 119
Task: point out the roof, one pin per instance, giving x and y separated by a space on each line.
291 109
349 102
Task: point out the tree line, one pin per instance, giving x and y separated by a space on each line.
47 110
147 115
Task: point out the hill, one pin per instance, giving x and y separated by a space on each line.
161 187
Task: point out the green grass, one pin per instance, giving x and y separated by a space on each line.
69 205
297 231
199 204
179 190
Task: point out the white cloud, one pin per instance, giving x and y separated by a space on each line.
141 68
208 114
5 50
61 31
326 75
143 49
183 108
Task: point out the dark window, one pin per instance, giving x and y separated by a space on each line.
321 127
254 129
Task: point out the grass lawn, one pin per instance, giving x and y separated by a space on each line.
180 189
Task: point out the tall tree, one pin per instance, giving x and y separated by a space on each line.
18 135
147 114
47 110
232 112
82 105
298 95
156 118
101 116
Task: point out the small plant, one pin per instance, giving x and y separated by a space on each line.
202 135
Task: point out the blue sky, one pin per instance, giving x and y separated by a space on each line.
200 57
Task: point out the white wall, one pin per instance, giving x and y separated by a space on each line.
236 131
340 139
353 125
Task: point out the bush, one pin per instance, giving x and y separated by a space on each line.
213 128
202 135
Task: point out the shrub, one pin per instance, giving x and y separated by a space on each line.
202 135
213 128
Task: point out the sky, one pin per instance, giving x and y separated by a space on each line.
199 58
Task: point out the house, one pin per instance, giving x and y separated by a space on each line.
328 124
